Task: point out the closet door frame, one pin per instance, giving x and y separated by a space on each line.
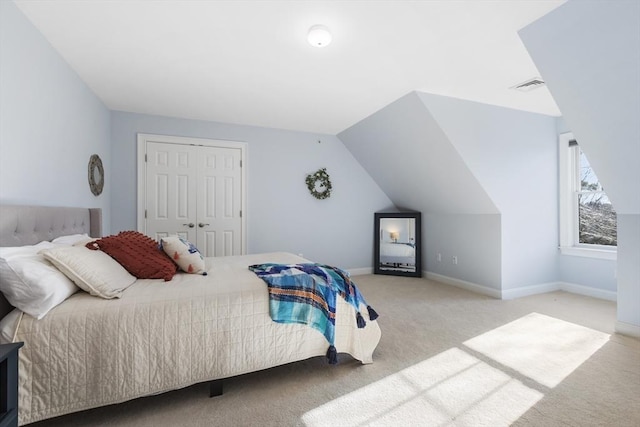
144 138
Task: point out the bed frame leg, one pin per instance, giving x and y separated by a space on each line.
215 388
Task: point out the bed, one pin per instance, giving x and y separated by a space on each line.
397 253
158 336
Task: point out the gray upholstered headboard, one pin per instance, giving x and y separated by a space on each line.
28 225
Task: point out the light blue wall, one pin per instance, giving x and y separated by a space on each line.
484 176
587 52
474 239
406 152
592 272
50 123
282 215
513 155
629 269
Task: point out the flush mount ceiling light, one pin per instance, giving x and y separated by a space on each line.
319 36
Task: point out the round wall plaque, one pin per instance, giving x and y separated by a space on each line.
96 175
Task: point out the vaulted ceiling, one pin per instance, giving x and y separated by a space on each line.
248 62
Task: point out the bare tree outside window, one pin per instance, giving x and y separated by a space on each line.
597 223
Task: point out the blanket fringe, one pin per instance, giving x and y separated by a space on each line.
360 321
332 355
372 313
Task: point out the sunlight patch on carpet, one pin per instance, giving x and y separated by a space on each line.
540 347
451 387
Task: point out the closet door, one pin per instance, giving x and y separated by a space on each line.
171 187
192 190
219 227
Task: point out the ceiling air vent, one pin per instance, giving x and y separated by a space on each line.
529 85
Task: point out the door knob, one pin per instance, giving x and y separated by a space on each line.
190 225
202 225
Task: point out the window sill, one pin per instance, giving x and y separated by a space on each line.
589 253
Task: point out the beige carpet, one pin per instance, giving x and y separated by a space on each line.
447 357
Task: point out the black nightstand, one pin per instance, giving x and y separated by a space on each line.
9 384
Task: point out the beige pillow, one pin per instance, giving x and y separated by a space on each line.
93 271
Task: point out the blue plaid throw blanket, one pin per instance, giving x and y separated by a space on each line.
306 293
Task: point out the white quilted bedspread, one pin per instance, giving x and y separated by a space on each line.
160 336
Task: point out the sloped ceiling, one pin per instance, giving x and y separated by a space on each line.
408 155
248 62
589 54
511 153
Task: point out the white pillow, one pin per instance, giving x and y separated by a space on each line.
30 283
7 252
9 326
71 239
183 253
93 271
83 242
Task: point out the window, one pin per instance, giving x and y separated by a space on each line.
587 218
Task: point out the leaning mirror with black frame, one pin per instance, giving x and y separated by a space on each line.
397 249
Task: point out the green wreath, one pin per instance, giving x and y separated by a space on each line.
319 184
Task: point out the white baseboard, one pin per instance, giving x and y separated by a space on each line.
625 328
524 290
473 287
559 286
588 291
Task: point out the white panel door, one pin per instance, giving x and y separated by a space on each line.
219 204
171 183
195 191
